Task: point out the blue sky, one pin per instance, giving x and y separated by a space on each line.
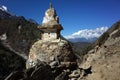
74 15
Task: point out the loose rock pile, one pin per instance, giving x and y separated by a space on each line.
43 71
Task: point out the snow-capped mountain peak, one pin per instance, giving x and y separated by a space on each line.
3 8
86 34
5 13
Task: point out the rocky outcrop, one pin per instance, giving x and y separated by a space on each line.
59 55
52 52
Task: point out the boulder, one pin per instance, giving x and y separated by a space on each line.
41 71
53 64
75 74
62 76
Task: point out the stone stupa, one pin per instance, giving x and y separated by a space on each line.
50 26
51 48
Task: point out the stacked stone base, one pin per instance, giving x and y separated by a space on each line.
55 52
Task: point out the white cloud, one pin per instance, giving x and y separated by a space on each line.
88 33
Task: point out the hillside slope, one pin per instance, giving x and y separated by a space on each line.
16 37
9 62
20 34
104 58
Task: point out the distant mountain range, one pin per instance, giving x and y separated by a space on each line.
86 35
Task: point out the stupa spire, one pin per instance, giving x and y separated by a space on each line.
50 5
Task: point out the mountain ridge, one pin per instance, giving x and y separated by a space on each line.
86 35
